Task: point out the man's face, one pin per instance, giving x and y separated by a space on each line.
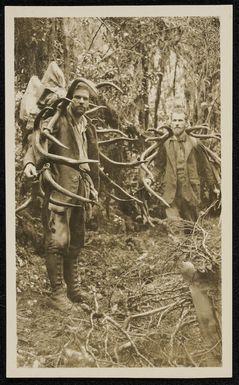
178 123
80 101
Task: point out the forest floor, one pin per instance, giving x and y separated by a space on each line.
141 313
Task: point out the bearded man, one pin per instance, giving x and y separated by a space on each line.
64 227
182 164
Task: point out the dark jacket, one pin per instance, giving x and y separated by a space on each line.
196 165
66 176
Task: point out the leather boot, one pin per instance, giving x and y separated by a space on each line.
71 276
58 299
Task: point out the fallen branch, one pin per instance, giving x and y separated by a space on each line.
176 329
150 312
189 356
109 319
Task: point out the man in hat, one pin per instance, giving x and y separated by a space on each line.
65 227
181 163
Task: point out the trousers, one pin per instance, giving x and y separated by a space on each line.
66 231
64 228
181 208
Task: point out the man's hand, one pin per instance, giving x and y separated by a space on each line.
30 171
216 191
93 194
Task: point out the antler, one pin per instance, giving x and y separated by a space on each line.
103 84
149 150
123 164
47 135
160 138
107 130
119 199
190 130
95 109
92 86
197 127
55 201
203 136
58 158
46 132
119 188
215 157
49 179
24 205
151 191
146 153
115 140
42 195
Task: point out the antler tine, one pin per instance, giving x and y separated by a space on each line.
24 205
215 157
52 138
197 127
63 101
163 137
119 188
39 116
145 168
151 157
202 136
53 121
51 200
58 158
115 140
62 204
151 191
103 84
119 199
59 101
149 150
48 178
95 109
42 114
164 127
55 201
157 138
143 156
147 217
106 130
123 164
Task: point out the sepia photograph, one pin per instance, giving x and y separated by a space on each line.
120 170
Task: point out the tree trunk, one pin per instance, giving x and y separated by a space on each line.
66 48
52 38
32 52
158 95
174 76
145 87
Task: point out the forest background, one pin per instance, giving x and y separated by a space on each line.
157 62
153 60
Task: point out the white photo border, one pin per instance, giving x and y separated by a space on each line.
224 12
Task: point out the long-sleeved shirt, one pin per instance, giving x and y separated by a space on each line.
79 129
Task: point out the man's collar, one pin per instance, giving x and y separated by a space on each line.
181 138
